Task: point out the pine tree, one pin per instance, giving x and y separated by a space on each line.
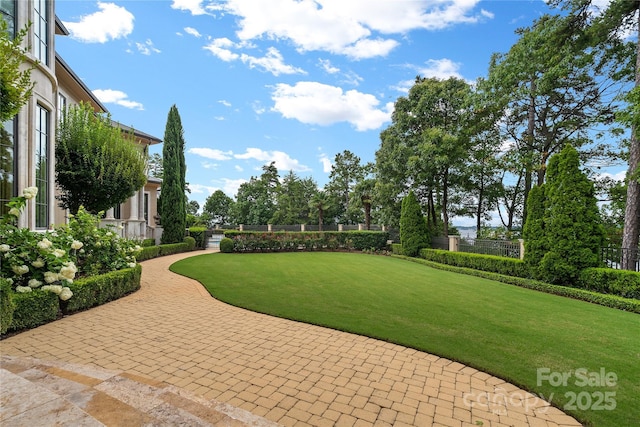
572 225
173 183
414 234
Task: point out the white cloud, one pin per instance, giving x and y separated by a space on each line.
325 64
282 160
258 108
192 31
238 168
326 163
230 186
618 176
202 189
272 62
210 153
110 23
317 103
351 23
220 48
110 96
225 103
147 48
434 68
193 6
219 118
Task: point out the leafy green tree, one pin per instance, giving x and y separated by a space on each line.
173 198
218 207
154 166
255 200
414 234
363 198
346 172
320 202
97 166
572 225
15 84
292 198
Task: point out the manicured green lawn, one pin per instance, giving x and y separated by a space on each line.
501 329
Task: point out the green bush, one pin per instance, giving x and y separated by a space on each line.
226 245
612 301
92 291
490 263
148 242
251 241
191 243
396 248
148 252
34 309
414 233
199 234
7 306
623 283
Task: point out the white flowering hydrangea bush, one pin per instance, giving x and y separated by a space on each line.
52 260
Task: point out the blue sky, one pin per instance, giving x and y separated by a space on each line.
294 82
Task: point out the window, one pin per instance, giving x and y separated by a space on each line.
62 105
41 31
8 13
42 167
7 164
117 211
146 207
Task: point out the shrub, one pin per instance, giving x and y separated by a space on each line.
623 283
148 242
148 253
7 306
199 234
396 248
175 248
250 241
226 245
490 263
92 291
34 309
414 234
190 242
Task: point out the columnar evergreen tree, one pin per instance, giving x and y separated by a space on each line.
414 234
535 239
572 225
173 183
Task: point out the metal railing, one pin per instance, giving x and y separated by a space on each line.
440 242
504 248
617 258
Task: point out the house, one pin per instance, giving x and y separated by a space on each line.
27 144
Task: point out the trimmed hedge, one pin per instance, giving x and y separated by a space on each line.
200 236
283 241
168 249
396 248
623 283
7 306
92 291
612 301
490 263
148 242
226 245
34 309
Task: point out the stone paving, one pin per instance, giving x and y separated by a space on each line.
172 331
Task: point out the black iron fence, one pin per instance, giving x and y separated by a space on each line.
620 258
503 248
440 242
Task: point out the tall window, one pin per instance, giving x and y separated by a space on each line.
62 105
8 13
7 164
41 31
42 167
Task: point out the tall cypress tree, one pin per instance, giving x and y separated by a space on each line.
414 234
173 200
535 239
572 224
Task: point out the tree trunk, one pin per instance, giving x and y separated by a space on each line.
632 209
445 198
531 126
320 215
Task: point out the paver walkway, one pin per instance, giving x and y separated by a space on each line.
291 373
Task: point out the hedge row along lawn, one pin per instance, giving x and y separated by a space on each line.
501 329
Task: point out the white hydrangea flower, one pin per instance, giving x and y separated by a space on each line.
56 289
34 283
14 211
20 269
10 281
44 243
39 263
30 192
58 253
131 265
76 244
68 271
65 294
23 289
50 277
5 248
